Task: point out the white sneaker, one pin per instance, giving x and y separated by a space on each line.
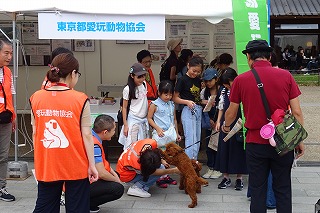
208 173
138 192
215 175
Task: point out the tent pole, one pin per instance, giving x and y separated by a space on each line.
16 169
15 75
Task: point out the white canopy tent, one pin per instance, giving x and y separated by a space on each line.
212 10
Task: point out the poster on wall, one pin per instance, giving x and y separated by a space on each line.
66 43
225 26
157 45
39 50
199 41
178 29
30 34
204 54
199 27
158 56
223 41
83 45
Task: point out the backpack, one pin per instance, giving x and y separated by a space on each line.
164 73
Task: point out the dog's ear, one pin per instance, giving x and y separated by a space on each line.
179 149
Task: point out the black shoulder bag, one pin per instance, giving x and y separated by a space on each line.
290 132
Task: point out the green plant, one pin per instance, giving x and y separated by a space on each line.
307 80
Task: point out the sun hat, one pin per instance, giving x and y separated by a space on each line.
173 43
256 45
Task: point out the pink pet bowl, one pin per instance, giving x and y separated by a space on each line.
267 131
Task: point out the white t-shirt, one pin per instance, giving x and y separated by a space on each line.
139 106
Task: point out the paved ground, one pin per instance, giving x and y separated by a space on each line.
305 185
306 182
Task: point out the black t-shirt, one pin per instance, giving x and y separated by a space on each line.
172 61
189 88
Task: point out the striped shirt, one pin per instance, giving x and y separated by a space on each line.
1 80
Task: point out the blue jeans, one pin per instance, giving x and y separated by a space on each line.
271 200
138 180
192 130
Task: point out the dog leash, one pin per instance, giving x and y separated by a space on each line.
200 140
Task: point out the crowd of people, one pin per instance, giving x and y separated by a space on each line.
304 59
153 116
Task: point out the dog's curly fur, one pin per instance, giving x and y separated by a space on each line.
175 155
197 168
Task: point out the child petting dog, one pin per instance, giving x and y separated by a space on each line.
141 164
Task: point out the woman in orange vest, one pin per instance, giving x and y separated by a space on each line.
142 165
144 58
46 83
63 144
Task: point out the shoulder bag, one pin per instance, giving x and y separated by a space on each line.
290 132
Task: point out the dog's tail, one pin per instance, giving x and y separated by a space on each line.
202 181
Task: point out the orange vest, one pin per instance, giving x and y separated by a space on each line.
6 86
59 151
128 160
151 87
103 156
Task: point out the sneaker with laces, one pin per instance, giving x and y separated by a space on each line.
215 175
138 192
5 196
94 209
239 185
161 183
224 183
208 173
169 180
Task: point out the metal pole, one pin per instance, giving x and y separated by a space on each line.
15 71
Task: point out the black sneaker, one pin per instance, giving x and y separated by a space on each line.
239 185
224 183
94 209
5 196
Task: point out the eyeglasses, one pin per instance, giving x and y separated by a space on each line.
146 62
79 74
141 76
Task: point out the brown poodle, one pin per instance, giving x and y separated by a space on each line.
197 167
175 155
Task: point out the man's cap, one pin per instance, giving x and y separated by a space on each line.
209 74
173 43
137 69
257 45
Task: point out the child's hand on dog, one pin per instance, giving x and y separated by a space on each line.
164 162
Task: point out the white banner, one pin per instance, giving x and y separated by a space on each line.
100 27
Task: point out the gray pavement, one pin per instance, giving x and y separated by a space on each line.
305 187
